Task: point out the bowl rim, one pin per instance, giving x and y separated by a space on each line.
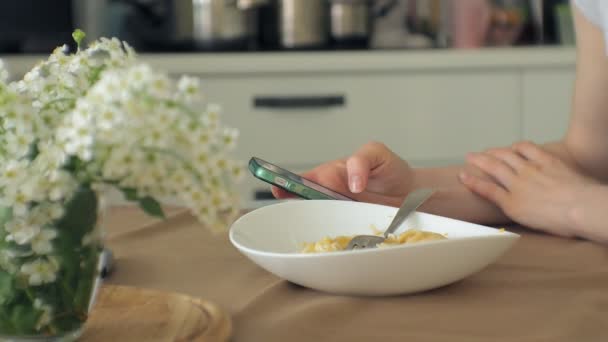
499 236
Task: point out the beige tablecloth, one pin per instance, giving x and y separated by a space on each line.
544 289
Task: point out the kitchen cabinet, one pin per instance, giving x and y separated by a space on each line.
547 103
421 116
431 107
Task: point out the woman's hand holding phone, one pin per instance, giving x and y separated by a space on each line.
373 174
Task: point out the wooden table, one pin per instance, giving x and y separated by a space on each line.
544 289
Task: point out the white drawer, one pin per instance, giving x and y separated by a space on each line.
300 120
427 118
294 121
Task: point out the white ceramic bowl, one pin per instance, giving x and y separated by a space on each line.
272 237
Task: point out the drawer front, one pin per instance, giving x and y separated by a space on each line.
429 119
305 120
292 121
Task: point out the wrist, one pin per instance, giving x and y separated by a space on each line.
414 177
587 216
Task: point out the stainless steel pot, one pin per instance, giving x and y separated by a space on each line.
350 21
303 23
206 24
223 23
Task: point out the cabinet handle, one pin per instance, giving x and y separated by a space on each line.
299 102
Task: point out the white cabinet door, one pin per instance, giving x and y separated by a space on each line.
447 114
547 103
422 116
298 121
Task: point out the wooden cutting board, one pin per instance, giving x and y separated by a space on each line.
123 313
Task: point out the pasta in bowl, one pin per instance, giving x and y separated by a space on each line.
274 237
339 243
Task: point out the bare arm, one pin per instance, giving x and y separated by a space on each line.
375 174
587 137
585 147
453 199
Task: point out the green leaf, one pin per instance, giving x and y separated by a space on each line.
7 290
87 275
6 214
151 207
24 318
96 74
78 36
130 194
80 213
34 151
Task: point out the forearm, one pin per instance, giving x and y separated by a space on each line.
561 150
453 199
447 177
456 201
565 153
589 216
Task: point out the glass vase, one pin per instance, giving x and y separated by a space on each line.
47 296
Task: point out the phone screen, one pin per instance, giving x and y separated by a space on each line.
292 176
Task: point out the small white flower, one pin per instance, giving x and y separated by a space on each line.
46 316
56 211
160 87
7 261
189 85
179 181
189 88
40 271
42 243
21 231
60 185
19 144
38 216
109 118
13 171
230 137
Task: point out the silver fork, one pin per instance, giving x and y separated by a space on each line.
410 204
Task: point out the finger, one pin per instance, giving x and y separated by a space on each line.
510 157
359 166
486 189
494 167
533 153
280 193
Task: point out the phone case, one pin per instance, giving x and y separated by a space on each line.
284 182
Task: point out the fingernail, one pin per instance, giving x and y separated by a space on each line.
355 184
463 176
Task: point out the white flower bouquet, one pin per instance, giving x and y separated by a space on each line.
75 124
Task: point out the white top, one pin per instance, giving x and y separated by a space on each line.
595 11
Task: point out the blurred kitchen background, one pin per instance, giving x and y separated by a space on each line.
311 80
35 26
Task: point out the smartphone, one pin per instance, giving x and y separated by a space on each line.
291 182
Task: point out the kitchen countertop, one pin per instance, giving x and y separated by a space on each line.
544 289
226 64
